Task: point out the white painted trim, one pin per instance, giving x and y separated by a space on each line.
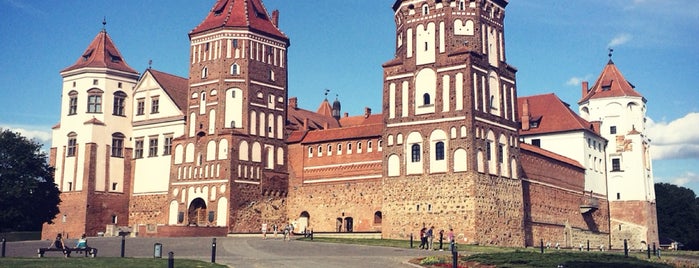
204 83
399 76
507 80
494 123
343 179
199 182
234 80
343 165
479 69
247 182
267 85
150 193
451 68
441 120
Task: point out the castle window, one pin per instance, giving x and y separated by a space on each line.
167 147
94 101
618 196
320 150
119 99
204 72
616 164
426 99
154 105
488 151
501 153
310 151
118 145
70 188
235 70
140 106
73 103
114 186
612 130
439 151
271 75
359 146
330 149
138 150
119 85
536 142
153 147
339 148
425 10
369 145
95 82
462 5
415 155
377 217
349 148
235 43
72 141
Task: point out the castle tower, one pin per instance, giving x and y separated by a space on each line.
229 168
89 150
449 103
614 102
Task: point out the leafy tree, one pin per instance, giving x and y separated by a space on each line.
678 214
28 195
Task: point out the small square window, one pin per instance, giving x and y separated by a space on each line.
612 130
95 82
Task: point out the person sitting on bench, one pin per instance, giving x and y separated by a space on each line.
58 244
82 242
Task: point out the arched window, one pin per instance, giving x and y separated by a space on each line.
118 144
73 103
94 101
426 99
204 72
439 151
235 70
377 217
425 9
415 155
119 99
72 141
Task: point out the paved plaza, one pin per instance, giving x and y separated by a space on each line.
242 252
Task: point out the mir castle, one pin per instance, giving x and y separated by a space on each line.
227 149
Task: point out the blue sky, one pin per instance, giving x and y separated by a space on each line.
340 45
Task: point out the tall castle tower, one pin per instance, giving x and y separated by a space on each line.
449 104
230 168
88 152
622 112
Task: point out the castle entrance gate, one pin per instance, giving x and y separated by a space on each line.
196 214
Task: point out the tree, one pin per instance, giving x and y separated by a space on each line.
678 214
29 196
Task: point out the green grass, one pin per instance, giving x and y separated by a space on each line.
566 259
100 262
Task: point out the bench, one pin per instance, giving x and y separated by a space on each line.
92 252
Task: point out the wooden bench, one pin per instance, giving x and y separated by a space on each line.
92 252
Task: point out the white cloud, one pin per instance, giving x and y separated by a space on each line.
675 140
575 81
682 180
619 40
39 134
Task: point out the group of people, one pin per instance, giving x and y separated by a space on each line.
427 237
60 244
287 231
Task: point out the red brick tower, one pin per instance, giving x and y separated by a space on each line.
89 149
229 169
449 102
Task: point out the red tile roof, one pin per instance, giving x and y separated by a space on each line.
611 83
325 109
296 116
361 120
101 53
176 87
552 114
549 154
240 13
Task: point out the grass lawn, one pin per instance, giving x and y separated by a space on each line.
100 262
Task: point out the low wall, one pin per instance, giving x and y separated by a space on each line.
179 231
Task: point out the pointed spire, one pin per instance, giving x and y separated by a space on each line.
610 83
611 50
104 24
101 53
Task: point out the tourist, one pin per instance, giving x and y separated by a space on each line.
82 242
275 229
423 238
430 238
58 243
450 236
264 230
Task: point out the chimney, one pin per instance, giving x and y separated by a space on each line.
305 124
584 89
525 115
345 114
275 18
326 125
367 112
293 102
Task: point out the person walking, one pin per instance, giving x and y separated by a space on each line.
275 229
430 238
450 236
423 238
264 230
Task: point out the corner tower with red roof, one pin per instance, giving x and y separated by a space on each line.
614 102
89 150
451 155
229 169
